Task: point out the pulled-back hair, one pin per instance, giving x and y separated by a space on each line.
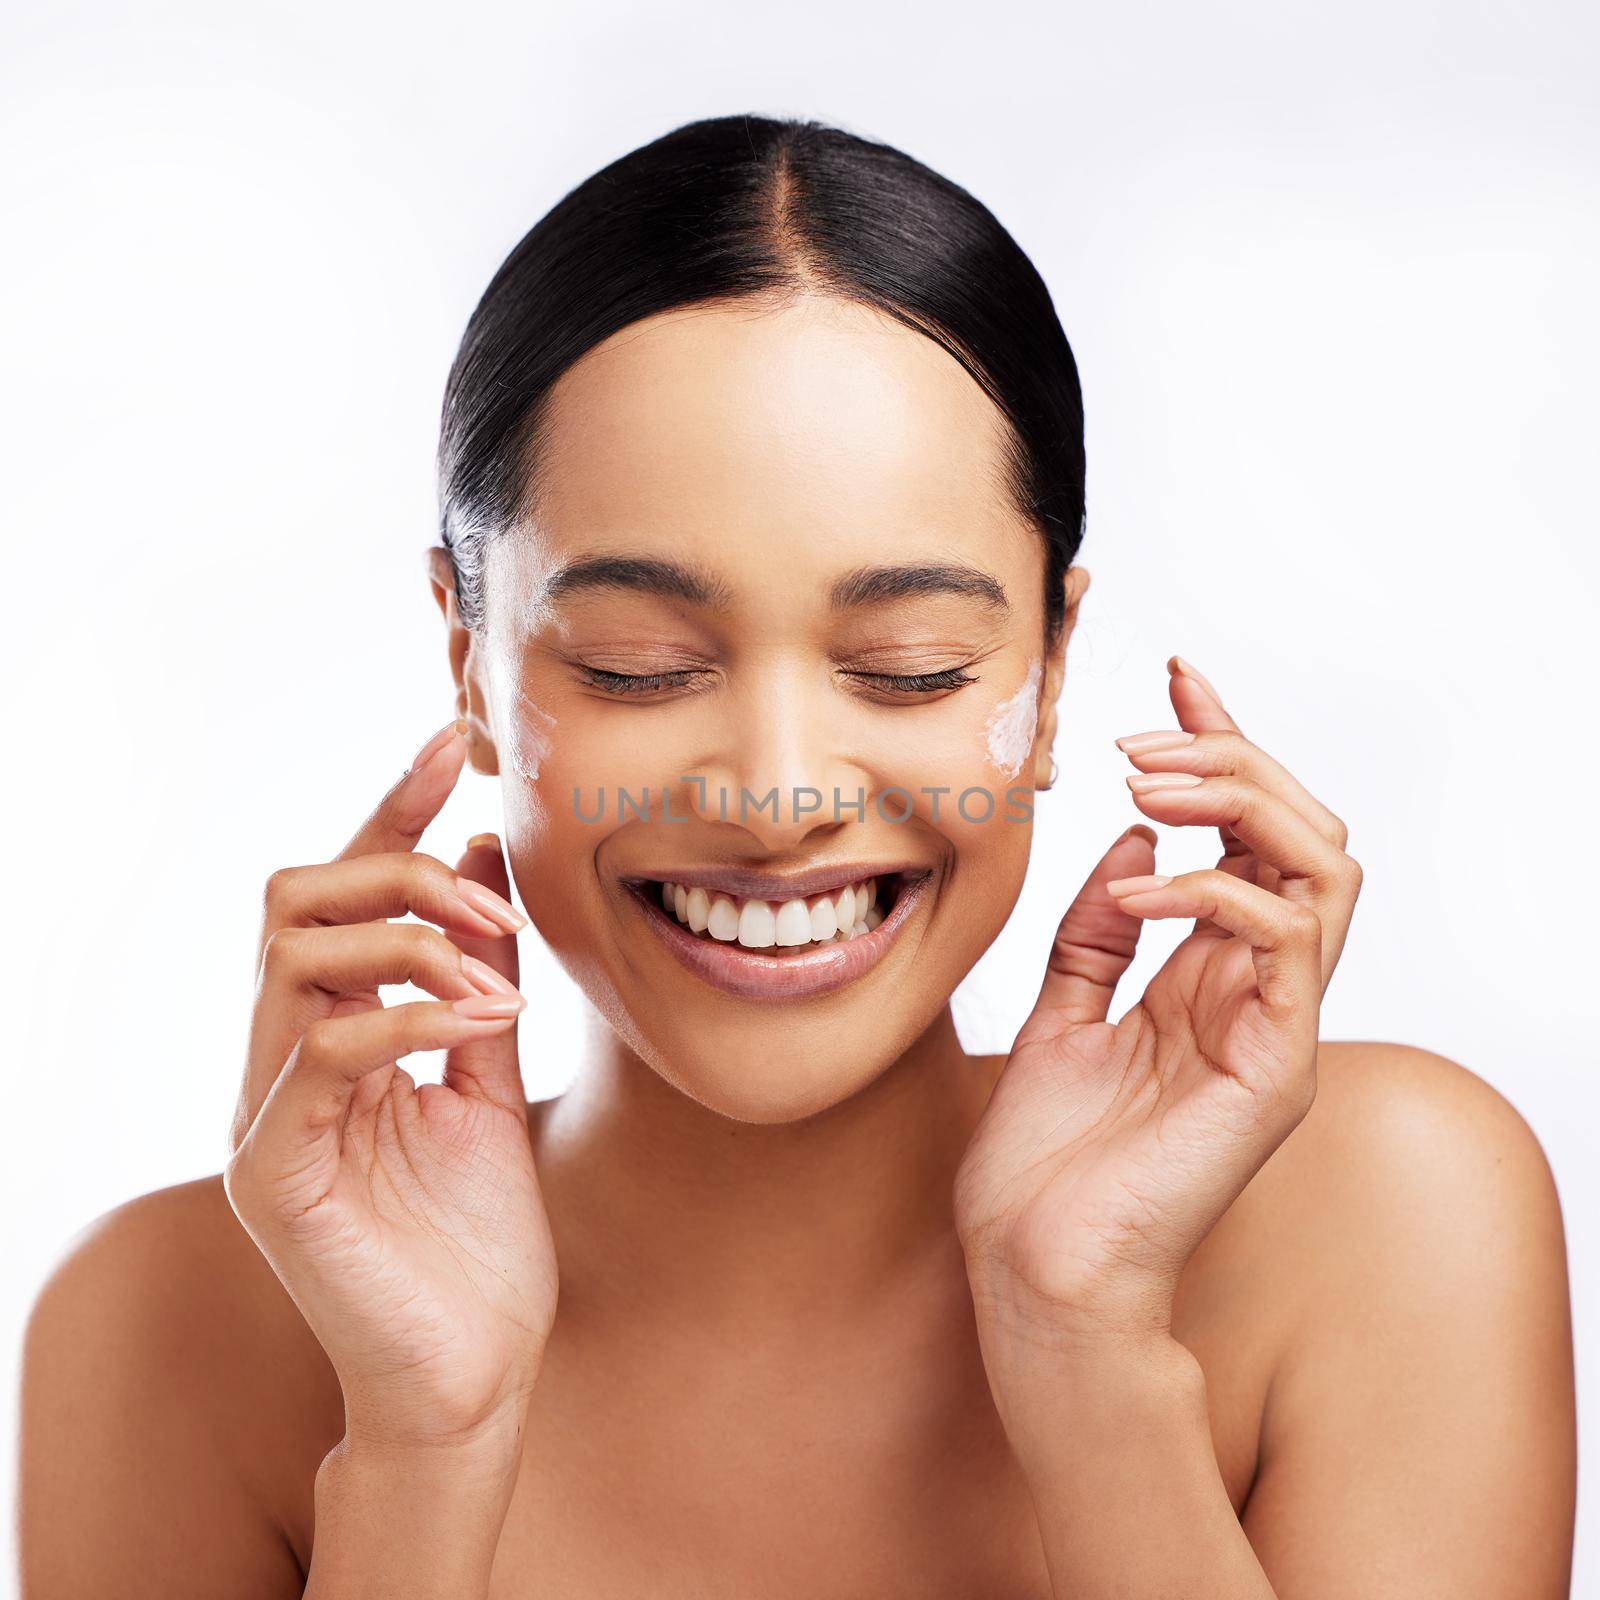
741 206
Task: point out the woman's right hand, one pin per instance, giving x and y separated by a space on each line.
405 1222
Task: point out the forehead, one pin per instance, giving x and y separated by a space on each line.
817 427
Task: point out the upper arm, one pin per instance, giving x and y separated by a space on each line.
1419 1431
134 1479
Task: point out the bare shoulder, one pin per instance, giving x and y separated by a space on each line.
172 1282
1409 1170
169 1386
1402 1138
1406 1253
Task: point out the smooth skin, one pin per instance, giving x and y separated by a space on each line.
1188 1304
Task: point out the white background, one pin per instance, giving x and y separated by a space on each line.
1329 272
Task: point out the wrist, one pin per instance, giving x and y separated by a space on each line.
419 1520
1090 1395
377 1428
1091 1320
485 1450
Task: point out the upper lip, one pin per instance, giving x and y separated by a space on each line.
746 885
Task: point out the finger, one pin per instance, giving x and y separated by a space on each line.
1311 869
1284 936
309 974
313 1094
401 817
1227 750
1199 710
1197 703
374 887
490 1067
1095 941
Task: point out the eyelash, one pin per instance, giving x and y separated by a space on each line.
626 683
637 682
916 682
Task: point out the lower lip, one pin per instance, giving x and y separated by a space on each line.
729 966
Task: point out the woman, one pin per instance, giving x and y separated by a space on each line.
762 484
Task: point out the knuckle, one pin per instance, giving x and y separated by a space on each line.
1341 834
411 1027
279 891
420 879
1227 742
422 945
427 953
1246 795
1355 876
430 874
319 1044
1304 924
283 951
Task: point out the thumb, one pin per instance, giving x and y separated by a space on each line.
488 1069
1096 939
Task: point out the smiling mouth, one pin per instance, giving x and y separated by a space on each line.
778 926
793 948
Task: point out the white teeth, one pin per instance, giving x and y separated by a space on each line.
758 927
699 910
759 924
793 925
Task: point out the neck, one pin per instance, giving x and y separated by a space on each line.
660 1204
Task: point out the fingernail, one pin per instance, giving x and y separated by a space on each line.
437 743
485 900
1141 782
1150 880
1137 744
1178 664
1143 829
486 978
485 1006
484 841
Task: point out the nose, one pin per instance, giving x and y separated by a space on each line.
776 767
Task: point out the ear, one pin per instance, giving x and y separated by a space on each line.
466 666
1074 586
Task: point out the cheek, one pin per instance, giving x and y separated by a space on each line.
1010 728
953 769
529 737
559 780
967 753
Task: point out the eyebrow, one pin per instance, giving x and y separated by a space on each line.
643 574
870 585
675 580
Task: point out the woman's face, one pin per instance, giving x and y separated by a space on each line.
773 551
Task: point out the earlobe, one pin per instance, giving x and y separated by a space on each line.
471 703
1074 585
441 579
482 751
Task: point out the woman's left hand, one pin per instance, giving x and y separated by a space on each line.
1108 1151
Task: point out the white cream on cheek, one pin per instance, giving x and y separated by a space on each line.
1012 724
526 730
530 735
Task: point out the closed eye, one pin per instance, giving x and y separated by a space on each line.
640 683
909 683
905 684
